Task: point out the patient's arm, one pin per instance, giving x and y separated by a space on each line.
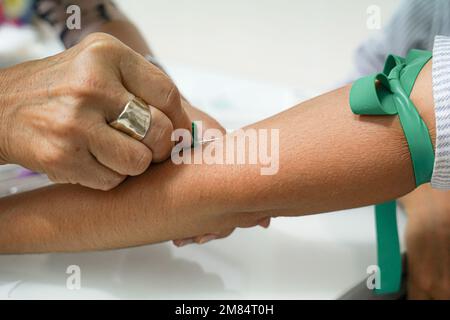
163 204
330 159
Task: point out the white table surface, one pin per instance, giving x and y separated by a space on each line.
297 258
304 258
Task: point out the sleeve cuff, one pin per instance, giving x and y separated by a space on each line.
441 93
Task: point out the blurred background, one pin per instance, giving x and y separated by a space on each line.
292 43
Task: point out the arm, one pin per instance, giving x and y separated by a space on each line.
330 159
427 233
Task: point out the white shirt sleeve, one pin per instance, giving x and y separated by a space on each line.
441 93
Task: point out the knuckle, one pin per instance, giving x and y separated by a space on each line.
99 42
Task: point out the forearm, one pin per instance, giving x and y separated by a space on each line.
331 159
151 208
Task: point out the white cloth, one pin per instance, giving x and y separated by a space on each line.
441 93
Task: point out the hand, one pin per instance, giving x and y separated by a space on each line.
167 202
207 123
428 243
264 223
55 114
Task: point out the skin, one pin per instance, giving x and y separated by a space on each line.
175 202
55 113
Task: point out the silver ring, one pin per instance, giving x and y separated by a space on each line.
135 119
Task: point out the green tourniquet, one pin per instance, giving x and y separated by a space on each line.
194 135
388 248
388 93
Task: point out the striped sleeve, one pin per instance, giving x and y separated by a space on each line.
441 93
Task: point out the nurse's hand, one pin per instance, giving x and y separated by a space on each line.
428 243
55 114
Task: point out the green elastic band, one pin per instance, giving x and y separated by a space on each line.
388 93
194 135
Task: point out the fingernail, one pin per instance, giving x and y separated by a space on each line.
183 243
208 238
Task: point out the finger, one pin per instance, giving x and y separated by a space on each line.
183 242
211 237
206 238
250 219
118 151
198 240
264 223
146 81
243 220
99 177
115 104
89 173
158 137
203 239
